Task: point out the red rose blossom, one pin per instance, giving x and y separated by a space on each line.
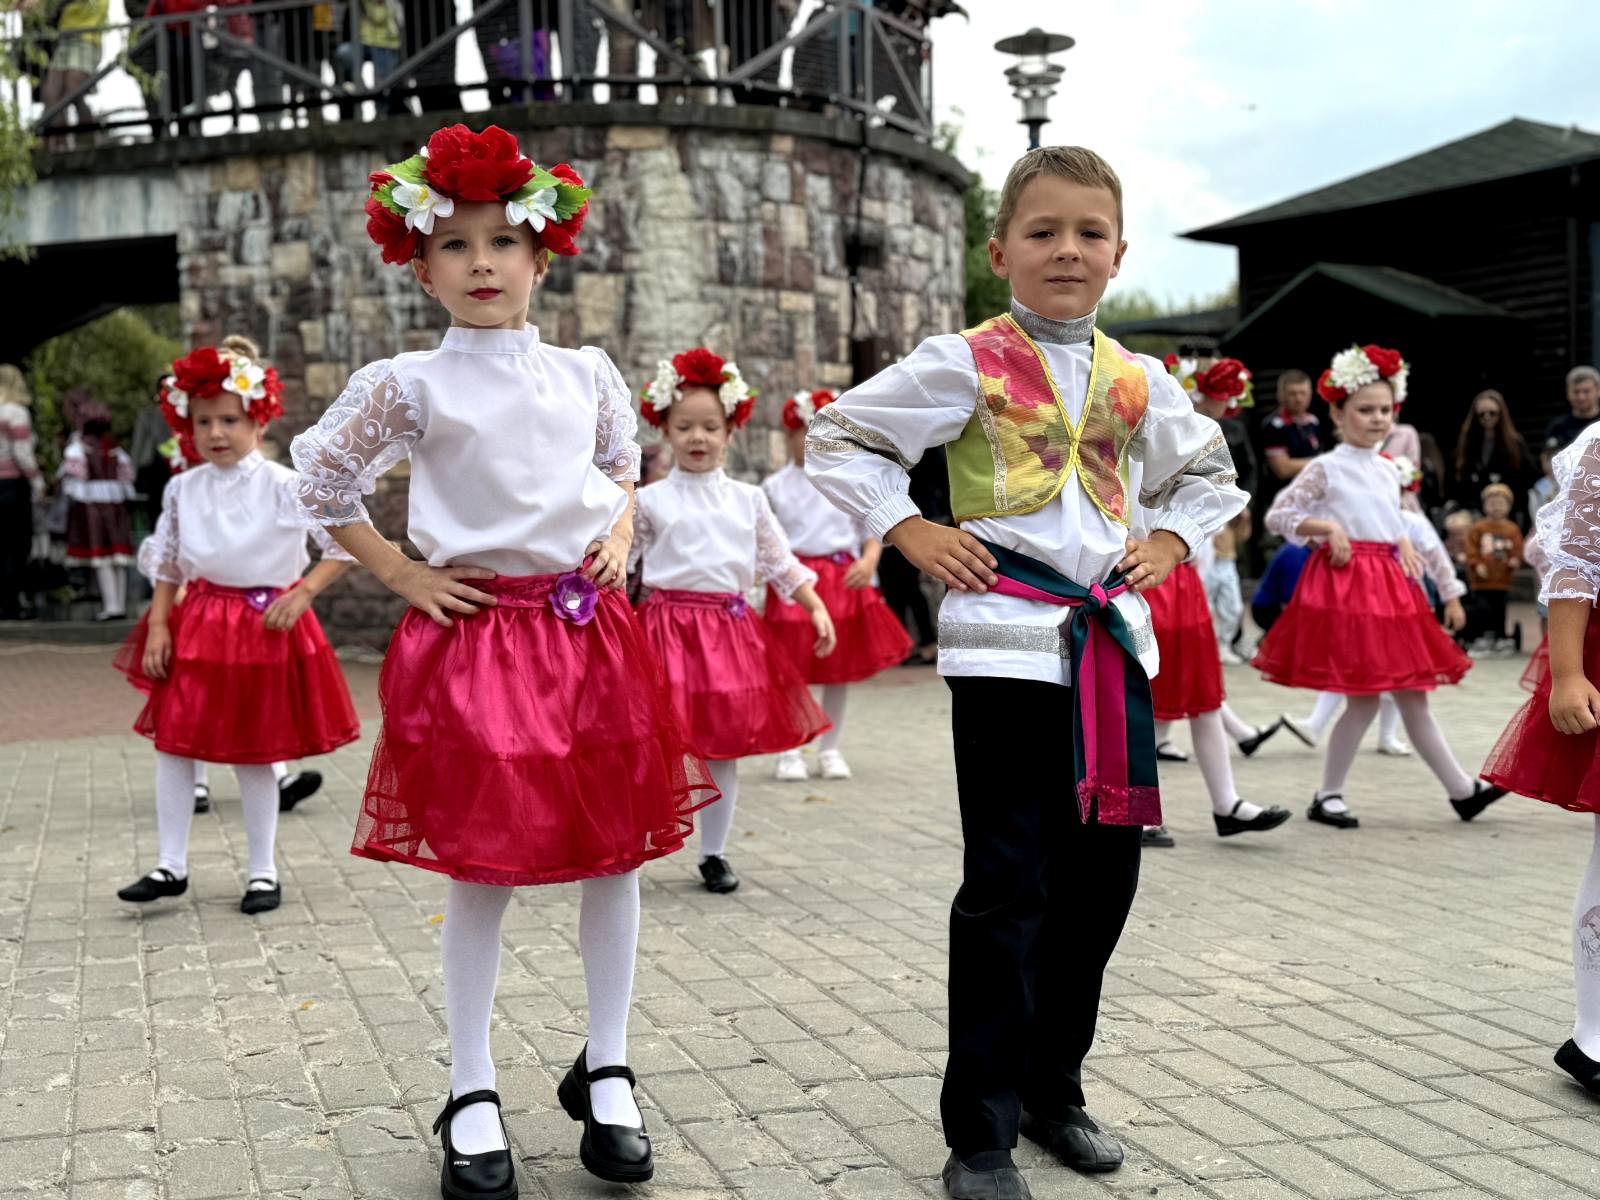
399 244
201 373
476 168
1170 361
1387 361
1223 380
742 412
1328 390
562 237
699 368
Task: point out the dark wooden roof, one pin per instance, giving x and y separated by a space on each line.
1400 288
1212 322
1515 147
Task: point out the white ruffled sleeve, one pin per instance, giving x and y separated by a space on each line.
368 429
158 553
775 562
1569 526
616 432
293 514
1435 558
1188 481
1305 498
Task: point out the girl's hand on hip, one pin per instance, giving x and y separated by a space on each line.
440 591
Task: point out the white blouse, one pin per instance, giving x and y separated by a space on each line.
699 531
238 526
1352 486
1568 531
516 449
1435 558
76 484
862 446
814 526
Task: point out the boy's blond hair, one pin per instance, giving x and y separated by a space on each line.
1076 163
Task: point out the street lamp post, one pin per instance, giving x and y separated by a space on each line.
1034 77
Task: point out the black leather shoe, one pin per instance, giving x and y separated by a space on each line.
718 875
1483 795
1156 838
1248 746
961 1182
486 1176
1075 1139
1580 1066
1267 818
260 900
619 1153
1341 820
1167 752
296 786
202 798
154 886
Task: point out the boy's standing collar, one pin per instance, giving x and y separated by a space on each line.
1044 329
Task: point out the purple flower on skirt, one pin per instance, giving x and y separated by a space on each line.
260 598
738 606
841 558
574 598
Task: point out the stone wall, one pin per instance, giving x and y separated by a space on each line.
726 227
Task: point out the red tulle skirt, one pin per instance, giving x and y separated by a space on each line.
1533 759
236 691
737 694
871 637
1359 629
1189 682
522 748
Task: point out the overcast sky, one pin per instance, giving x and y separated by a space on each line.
1210 108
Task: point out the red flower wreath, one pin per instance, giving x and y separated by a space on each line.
205 373
698 368
799 408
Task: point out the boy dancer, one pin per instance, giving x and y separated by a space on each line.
1042 635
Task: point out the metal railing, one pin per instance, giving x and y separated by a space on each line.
184 72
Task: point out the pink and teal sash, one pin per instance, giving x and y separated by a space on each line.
1113 735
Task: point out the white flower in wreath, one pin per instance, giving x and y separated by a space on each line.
1398 382
803 408
177 397
734 391
663 389
422 204
1186 370
537 210
245 380
1408 470
1352 369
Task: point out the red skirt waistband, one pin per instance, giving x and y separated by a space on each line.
732 601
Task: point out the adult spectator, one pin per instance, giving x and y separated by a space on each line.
380 45
1293 435
1490 450
20 483
1583 394
425 21
751 28
75 58
622 50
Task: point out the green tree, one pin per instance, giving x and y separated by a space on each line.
116 359
987 293
16 143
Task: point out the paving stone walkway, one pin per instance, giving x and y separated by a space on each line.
1305 1014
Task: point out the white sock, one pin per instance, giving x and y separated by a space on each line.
1428 740
1344 742
1388 720
608 934
1235 726
202 774
279 770
174 811
716 820
1163 732
1211 751
1323 710
258 797
106 577
833 699
1586 954
470 951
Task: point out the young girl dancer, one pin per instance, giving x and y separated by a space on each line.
844 558
1357 625
704 541
1551 749
528 737
240 672
97 478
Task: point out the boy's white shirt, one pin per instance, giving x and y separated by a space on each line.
862 445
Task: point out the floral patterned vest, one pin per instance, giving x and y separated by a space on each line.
1019 448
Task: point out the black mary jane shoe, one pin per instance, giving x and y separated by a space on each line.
962 1182
490 1175
260 900
1341 820
1249 745
1167 752
718 875
618 1153
157 885
202 798
1075 1140
1580 1066
1156 837
1267 818
295 787
1483 795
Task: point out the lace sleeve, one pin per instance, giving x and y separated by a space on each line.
293 514
368 429
1569 526
775 563
1305 497
158 553
616 446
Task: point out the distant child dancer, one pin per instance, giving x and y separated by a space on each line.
97 478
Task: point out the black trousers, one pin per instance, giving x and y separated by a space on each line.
1042 903
16 541
902 591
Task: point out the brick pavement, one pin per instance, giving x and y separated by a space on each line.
1307 1014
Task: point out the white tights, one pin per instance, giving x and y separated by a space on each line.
832 698
258 796
113 581
608 935
1426 736
1328 704
716 819
202 772
1586 954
